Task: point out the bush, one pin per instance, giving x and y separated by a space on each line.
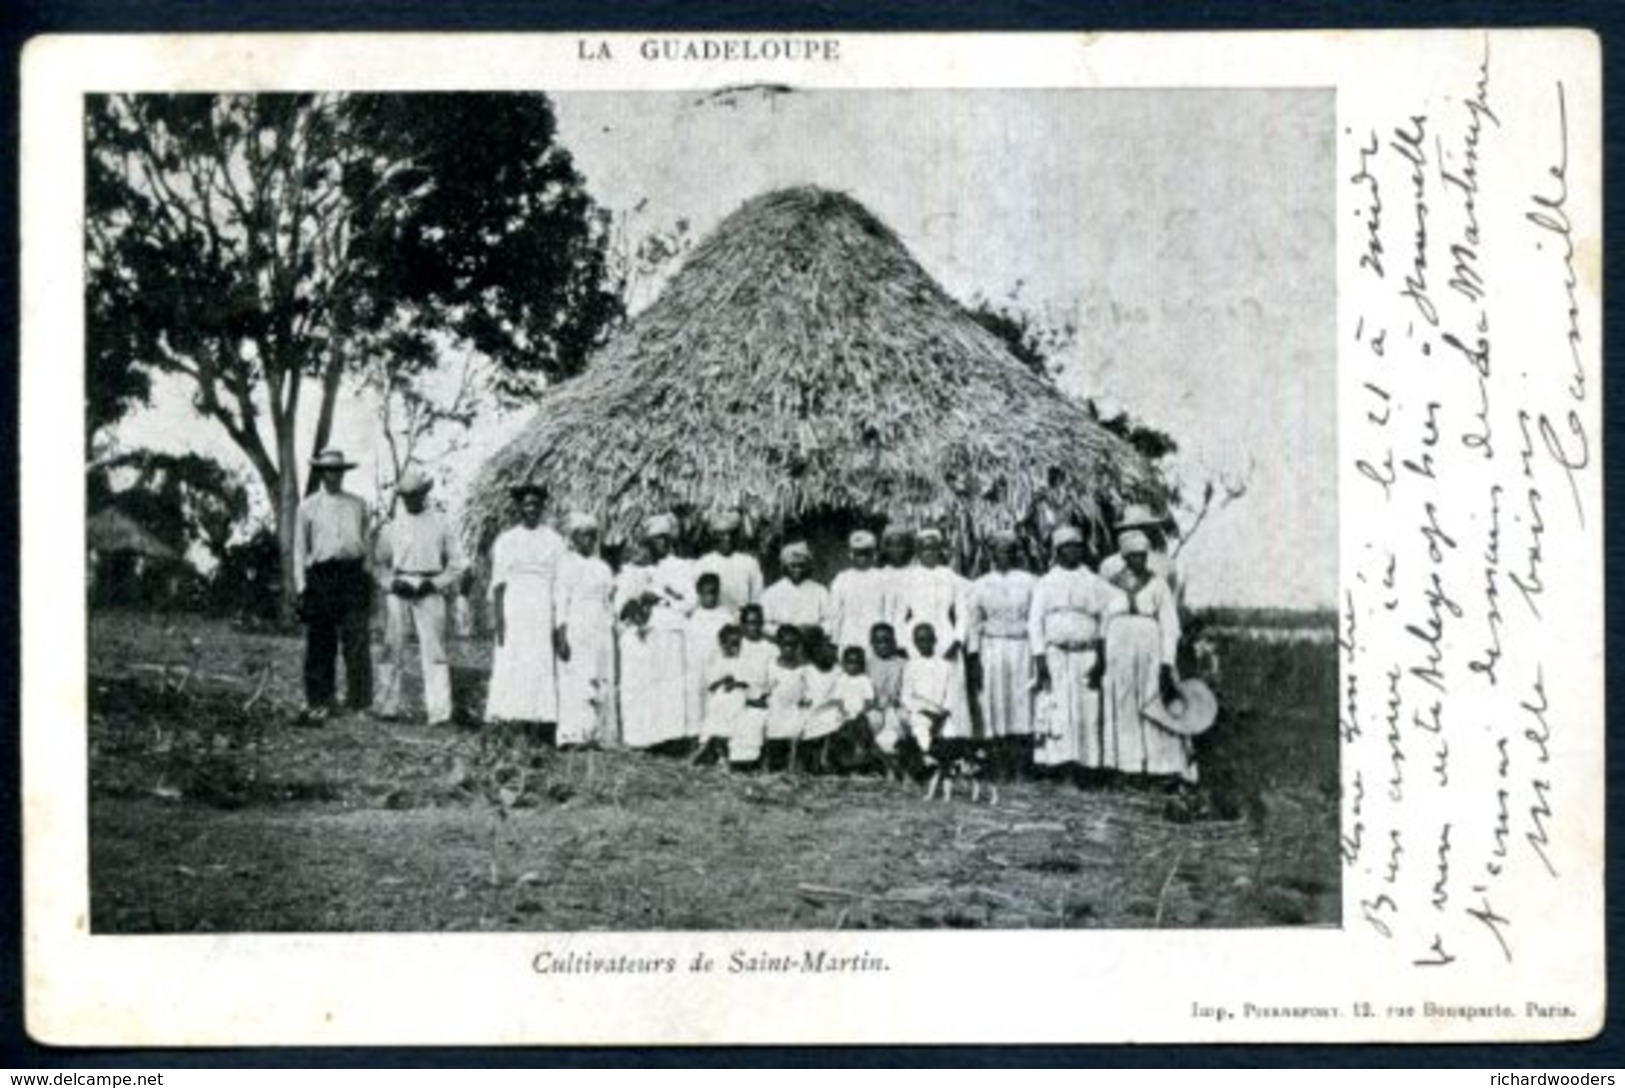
248 582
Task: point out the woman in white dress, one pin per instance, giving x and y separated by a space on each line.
796 600
584 604
524 563
1000 604
1139 518
654 602
1070 606
894 579
1142 644
855 595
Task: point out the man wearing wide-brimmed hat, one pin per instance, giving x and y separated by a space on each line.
335 591
419 560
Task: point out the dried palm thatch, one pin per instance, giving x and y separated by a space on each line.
801 362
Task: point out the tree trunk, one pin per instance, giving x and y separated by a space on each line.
332 378
287 495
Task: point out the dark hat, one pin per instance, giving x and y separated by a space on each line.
331 459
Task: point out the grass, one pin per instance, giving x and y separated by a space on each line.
211 811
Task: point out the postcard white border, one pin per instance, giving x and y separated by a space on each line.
961 987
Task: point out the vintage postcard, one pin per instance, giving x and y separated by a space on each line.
812 538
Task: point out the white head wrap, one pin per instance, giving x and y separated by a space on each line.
1134 542
1066 534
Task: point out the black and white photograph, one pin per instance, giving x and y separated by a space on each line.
754 509
812 538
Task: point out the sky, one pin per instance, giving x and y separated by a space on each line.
1188 235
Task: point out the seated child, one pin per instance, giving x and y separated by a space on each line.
927 696
786 686
853 746
937 747
854 691
732 725
886 673
823 706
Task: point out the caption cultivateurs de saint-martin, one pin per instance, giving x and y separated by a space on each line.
737 961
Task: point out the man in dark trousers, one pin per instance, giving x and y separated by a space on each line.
335 590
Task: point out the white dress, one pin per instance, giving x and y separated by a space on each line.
739 575
1068 610
584 606
700 642
1000 605
858 603
928 684
823 716
1138 643
728 713
786 701
654 689
1159 563
803 604
524 684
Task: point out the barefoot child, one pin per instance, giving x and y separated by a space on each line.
928 696
885 667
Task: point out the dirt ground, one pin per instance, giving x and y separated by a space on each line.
212 811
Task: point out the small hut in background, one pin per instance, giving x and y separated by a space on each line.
124 557
803 369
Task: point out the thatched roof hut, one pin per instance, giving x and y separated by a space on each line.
803 368
110 531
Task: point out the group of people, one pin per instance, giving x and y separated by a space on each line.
898 656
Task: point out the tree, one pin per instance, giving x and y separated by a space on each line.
183 499
265 246
424 416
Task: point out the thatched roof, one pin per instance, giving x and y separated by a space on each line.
111 531
801 361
